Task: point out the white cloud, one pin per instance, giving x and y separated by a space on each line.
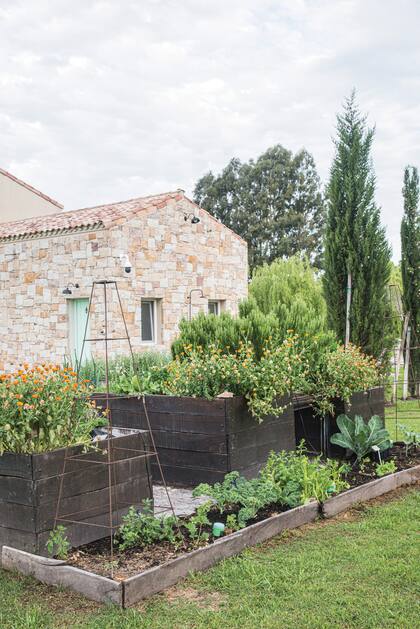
103 101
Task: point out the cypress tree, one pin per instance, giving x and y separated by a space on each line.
355 241
410 267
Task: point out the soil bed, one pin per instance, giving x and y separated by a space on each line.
356 477
96 557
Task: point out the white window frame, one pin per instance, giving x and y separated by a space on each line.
153 310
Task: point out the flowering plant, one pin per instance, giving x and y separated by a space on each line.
211 371
339 374
43 408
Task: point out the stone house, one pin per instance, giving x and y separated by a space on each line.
19 200
182 260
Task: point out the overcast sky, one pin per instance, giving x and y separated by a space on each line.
104 101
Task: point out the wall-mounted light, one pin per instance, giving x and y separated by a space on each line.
191 217
67 290
125 261
189 299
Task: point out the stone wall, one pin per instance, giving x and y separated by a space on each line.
170 256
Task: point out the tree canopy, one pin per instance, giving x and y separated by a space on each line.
291 291
355 241
274 202
410 265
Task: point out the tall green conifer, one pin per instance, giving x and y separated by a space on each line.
355 241
410 266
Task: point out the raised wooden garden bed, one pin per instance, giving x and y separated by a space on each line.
29 486
201 440
128 591
316 432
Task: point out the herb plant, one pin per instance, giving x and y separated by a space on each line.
359 436
58 545
196 523
411 438
207 373
142 528
386 467
303 478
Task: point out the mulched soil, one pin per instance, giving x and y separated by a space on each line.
96 557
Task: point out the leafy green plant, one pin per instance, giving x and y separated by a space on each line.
58 545
232 522
142 528
359 437
302 478
45 407
411 438
247 497
386 467
196 523
144 373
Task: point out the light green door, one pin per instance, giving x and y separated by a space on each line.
78 311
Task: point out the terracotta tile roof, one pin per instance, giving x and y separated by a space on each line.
99 217
31 188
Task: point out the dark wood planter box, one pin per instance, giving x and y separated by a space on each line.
317 432
29 486
201 440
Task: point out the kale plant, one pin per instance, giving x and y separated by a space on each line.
359 436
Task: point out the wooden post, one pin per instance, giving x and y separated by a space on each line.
347 341
407 361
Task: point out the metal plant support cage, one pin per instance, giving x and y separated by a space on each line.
409 380
112 454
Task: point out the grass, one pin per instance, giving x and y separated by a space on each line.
358 571
405 412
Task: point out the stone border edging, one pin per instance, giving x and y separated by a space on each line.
127 593
375 488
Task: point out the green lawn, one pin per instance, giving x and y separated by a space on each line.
406 413
402 412
360 571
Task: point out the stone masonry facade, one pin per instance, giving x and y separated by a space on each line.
169 257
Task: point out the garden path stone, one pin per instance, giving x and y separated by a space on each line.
181 498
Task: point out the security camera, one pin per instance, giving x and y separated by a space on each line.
125 261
